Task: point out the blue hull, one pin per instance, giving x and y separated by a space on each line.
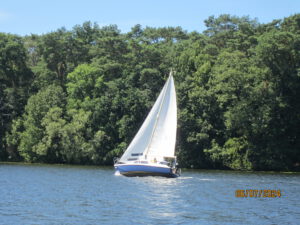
145 170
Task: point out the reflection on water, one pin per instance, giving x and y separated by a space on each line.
93 195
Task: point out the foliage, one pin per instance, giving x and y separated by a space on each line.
79 96
15 78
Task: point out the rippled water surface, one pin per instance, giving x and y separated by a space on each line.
39 194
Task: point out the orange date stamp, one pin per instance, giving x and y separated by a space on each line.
254 193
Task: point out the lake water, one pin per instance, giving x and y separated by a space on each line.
44 194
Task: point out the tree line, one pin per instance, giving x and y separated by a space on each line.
79 96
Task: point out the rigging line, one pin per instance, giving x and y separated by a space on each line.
157 117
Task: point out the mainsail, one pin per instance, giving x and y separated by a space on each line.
157 136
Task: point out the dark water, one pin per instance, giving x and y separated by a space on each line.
92 195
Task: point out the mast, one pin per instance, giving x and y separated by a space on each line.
157 116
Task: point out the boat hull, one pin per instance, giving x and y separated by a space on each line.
132 170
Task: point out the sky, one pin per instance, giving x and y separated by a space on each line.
25 17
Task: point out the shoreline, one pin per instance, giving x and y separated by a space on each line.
111 167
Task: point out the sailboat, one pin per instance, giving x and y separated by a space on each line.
152 150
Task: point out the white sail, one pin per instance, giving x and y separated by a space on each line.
164 134
157 136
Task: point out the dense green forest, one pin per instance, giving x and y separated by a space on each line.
79 96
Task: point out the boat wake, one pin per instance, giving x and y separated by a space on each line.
185 178
200 179
117 173
207 179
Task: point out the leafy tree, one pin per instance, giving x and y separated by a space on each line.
29 131
15 76
53 47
